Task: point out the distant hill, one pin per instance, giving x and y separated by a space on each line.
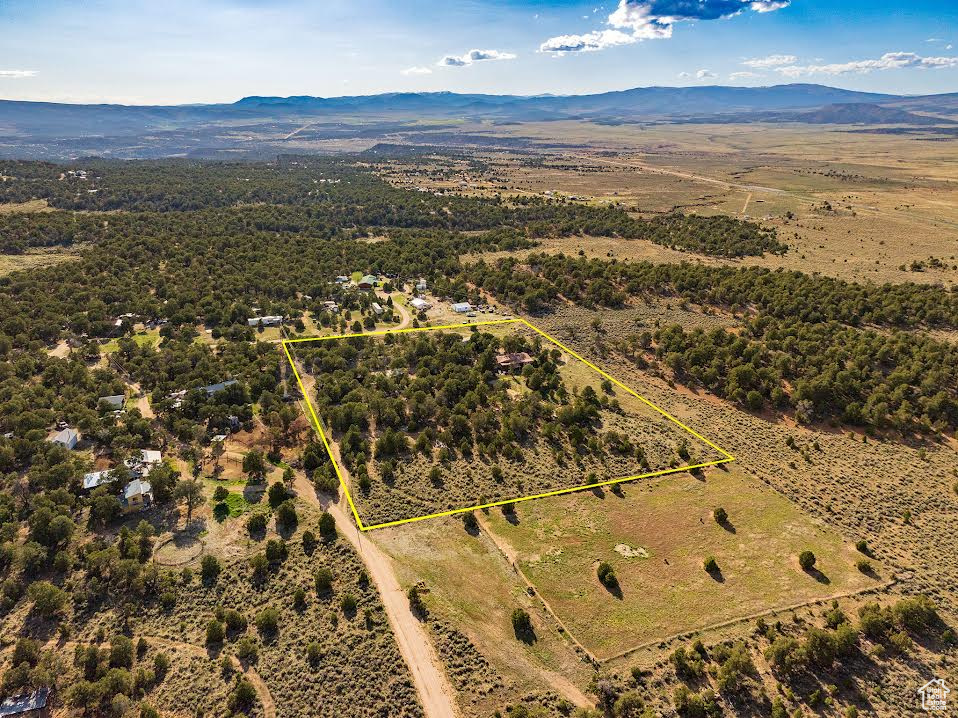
41 129
860 113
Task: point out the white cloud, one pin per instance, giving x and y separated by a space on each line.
705 75
888 61
763 63
17 74
769 5
745 75
474 56
685 75
637 20
589 42
416 70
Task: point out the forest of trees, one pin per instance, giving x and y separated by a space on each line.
822 371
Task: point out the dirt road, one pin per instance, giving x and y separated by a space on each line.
403 312
435 693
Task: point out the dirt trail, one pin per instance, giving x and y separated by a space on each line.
435 692
401 310
511 556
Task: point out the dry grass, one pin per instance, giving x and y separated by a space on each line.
656 536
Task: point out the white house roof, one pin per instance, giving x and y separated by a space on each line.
419 303
462 307
66 437
137 487
149 458
116 400
95 478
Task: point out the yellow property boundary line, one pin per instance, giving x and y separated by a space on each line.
329 449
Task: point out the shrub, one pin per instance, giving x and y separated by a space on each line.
243 696
220 493
314 654
215 633
309 541
720 515
864 565
470 522
161 665
210 568
521 622
711 565
121 652
915 614
806 559
324 581
784 654
862 546
259 564
687 664
348 603
256 523
247 650
276 494
416 604
276 551
327 526
299 599
286 514
48 600
267 620
234 620
628 705
606 575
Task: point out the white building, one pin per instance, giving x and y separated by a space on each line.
137 495
270 321
96 478
377 308
141 463
462 307
420 305
66 437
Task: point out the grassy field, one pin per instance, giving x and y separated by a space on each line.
34 259
656 536
472 592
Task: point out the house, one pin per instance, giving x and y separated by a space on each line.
331 306
462 307
116 402
515 360
96 478
420 305
27 705
142 462
367 282
341 279
66 437
268 321
421 285
137 496
377 309
217 388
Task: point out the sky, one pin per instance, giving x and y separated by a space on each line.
207 51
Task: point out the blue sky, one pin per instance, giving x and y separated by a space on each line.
181 51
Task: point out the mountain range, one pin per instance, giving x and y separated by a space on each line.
42 129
